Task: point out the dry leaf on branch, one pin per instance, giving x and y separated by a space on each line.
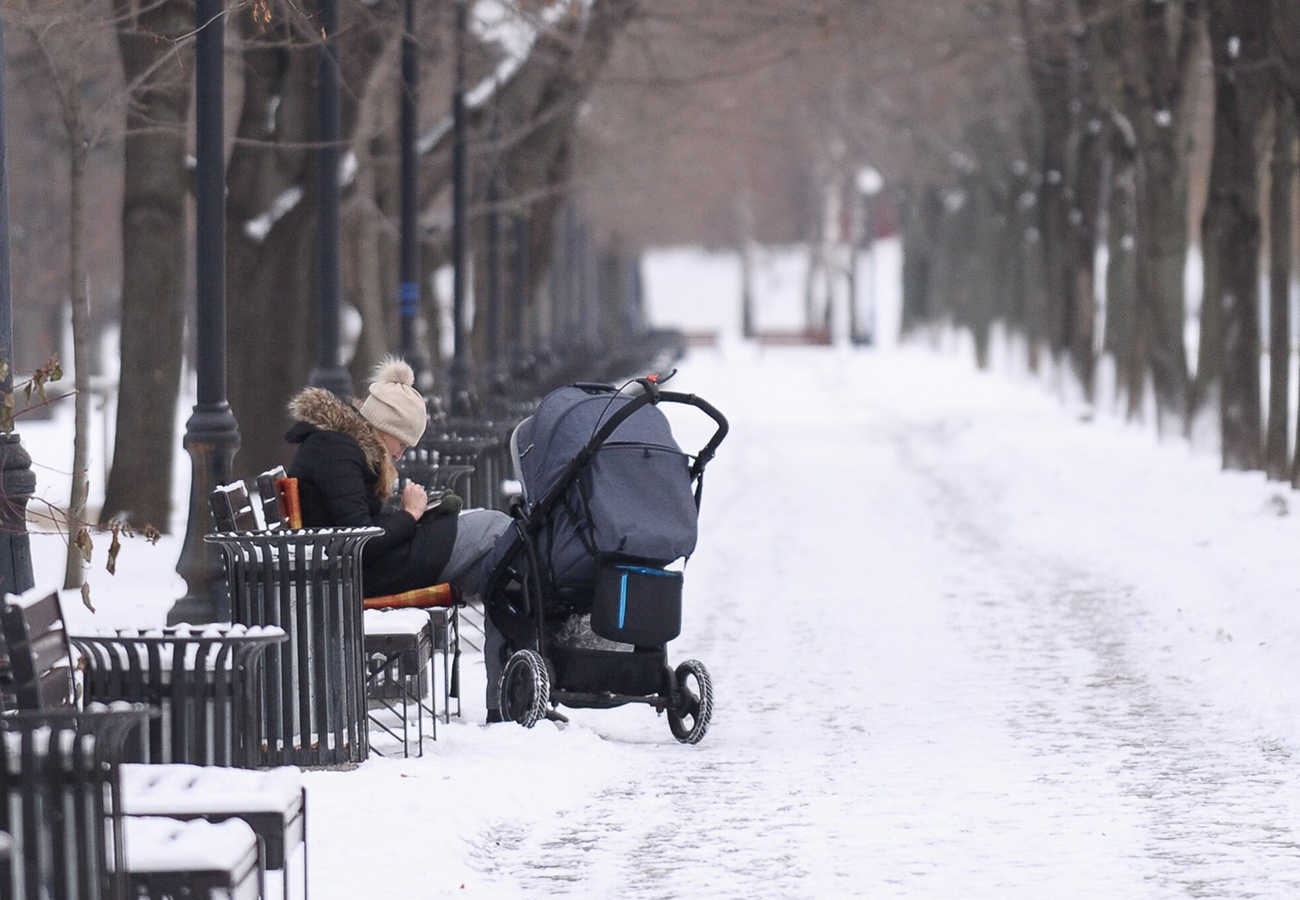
113 549
84 543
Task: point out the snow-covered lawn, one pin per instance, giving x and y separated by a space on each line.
963 645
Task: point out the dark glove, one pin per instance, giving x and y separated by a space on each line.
448 504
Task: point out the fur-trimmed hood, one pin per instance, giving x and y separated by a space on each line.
324 410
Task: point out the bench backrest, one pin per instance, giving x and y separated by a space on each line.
232 508
40 655
271 502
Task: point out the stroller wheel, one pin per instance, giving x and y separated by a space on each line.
690 720
525 688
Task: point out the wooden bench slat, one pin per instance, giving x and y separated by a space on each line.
436 595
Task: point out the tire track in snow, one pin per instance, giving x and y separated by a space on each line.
1219 807
850 756
718 820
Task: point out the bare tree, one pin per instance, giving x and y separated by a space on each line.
272 205
63 34
1281 235
157 62
1243 89
1158 63
1070 171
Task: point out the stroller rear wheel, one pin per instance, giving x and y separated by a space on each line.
525 688
690 719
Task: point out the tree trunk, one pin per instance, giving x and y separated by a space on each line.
371 267
539 108
1159 263
153 261
1242 90
1085 177
1157 64
74 573
1278 464
745 253
271 273
1044 24
921 213
1121 287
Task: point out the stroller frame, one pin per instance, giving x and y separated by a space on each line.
546 676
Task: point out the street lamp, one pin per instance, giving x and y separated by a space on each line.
410 260
211 435
460 362
493 255
17 481
329 372
521 291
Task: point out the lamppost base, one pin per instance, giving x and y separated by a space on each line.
211 437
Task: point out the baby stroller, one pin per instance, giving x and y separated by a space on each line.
609 500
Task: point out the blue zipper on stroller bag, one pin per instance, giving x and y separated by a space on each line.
622 600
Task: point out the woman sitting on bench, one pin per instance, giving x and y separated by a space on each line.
345 472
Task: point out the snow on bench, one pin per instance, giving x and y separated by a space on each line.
394 621
170 845
176 789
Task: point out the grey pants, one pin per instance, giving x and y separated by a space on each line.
494 648
477 531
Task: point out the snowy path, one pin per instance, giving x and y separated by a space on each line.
962 646
911 703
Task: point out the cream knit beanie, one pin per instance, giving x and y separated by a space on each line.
394 405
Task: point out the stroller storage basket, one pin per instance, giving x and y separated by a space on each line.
608 671
636 604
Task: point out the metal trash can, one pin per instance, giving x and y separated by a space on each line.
308 582
205 680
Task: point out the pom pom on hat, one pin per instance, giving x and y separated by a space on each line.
393 370
394 405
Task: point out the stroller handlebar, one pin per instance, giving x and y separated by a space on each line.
702 458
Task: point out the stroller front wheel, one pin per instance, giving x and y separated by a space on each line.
525 688
689 720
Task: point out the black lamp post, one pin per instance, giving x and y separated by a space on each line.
211 435
17 481
460 362
410 262
493 257
329 372
521 346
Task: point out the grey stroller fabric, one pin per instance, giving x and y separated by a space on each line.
633 501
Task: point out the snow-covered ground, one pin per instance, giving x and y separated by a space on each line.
964 644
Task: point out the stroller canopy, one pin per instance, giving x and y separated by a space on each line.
634 499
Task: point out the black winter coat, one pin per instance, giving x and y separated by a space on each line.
338 464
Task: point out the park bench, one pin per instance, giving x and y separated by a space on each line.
478 449
62 803
808 337
271 803
478 440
